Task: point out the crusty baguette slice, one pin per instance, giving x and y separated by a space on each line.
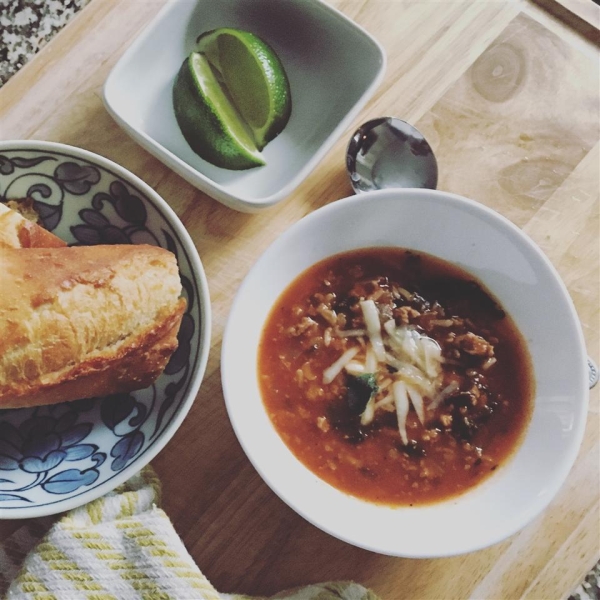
85 321
18 232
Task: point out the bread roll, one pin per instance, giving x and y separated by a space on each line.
85 321
18 232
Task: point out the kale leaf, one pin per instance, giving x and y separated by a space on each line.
360 390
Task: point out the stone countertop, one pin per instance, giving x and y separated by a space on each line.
27 25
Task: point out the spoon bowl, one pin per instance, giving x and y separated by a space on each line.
390 153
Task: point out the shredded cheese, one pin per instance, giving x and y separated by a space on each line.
336 368
371 317
369 413
409 362
402 406
355 368
447 391
370 361
417 402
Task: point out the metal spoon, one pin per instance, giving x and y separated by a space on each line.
592 372
390 153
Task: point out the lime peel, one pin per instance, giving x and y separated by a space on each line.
208 120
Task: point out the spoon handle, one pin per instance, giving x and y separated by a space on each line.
592 372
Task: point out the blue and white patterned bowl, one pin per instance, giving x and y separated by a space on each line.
54 458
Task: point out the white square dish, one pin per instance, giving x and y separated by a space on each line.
333 65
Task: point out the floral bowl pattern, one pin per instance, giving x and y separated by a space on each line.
53 458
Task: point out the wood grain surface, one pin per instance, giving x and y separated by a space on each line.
507 93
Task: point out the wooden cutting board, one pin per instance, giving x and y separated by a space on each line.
507 93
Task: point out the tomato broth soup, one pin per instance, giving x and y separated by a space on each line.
395 376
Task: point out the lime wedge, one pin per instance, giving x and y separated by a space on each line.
254 77
208 119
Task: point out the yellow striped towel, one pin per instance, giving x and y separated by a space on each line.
124 547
